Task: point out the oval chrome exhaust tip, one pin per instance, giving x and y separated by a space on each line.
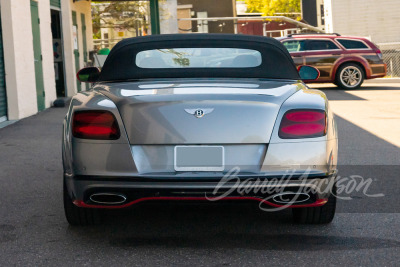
108 198
291 197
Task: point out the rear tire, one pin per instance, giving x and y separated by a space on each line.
316 215
77 216
349 76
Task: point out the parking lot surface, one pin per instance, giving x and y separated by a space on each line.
365 231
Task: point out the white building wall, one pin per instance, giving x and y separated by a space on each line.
46 41
328 16
378 20
67 6
18 58
68 46
85 8
168 16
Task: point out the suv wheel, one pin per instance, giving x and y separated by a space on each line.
77 216
349 76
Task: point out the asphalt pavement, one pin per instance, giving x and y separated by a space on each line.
365 231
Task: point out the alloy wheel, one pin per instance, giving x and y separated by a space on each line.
351 76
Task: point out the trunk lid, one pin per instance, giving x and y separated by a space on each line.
162 111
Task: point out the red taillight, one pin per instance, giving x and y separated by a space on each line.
100 125
303 124
379 53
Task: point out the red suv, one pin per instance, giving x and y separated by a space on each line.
343 60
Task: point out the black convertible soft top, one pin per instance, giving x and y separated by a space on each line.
276 61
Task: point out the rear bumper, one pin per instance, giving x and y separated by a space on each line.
378 71
139 190
381 75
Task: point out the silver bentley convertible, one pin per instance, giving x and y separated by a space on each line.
199 117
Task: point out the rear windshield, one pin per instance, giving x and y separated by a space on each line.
198 57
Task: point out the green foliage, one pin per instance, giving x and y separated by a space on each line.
97 35
271 7
254 6
121 14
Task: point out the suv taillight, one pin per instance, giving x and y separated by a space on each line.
379 53
100 125
303 123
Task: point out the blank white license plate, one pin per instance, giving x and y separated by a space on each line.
199 158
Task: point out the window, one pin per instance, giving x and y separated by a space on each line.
294 46
321 45
198 57
352 44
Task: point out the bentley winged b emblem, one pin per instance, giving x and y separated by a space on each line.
199 112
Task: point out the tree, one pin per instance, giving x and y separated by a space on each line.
254 6
121 15
271 7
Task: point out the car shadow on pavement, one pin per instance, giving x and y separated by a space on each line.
367 87
333 93
242 225
363 158
340 95
220 226
364 87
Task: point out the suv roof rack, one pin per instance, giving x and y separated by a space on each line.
313 33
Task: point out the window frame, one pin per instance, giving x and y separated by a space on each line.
298 40
323 50
357 40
